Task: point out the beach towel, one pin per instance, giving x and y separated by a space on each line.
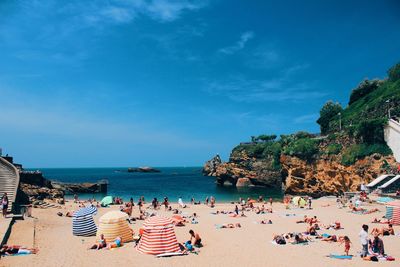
301 243
341 257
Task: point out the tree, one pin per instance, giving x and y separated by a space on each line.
266 138
363 89
327 113
371 131
394 73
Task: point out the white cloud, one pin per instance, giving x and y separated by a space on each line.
282 88
309 118
239 45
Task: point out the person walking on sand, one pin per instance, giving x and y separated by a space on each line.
364 240
347 242
270 201
309 203
4 204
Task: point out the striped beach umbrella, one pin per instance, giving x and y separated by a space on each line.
114 224
396 215
393 211
90 210
83 223
158 236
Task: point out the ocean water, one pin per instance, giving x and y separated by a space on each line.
173 182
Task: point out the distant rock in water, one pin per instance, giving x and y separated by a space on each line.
143 169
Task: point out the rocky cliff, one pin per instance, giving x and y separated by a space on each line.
324 176
327 176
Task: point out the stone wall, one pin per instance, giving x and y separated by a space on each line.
392 137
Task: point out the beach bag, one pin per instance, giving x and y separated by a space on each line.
374 258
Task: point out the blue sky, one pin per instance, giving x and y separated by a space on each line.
172 83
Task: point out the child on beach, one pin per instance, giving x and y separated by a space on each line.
347 242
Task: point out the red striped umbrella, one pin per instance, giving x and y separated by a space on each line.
396 215
395 203
158 236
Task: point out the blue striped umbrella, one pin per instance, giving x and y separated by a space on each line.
85 211
83 223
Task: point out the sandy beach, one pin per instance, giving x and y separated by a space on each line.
249 245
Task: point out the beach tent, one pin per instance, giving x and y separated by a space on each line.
158 236
299 201
107 201
82 222
114 224
393 211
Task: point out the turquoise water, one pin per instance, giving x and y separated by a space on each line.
171 182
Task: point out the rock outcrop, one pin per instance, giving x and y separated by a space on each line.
210 167
243 171
323 176
327 176
86 188
38 192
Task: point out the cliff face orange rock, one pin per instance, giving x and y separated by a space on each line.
327 176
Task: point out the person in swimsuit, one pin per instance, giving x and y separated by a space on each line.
102 243
13 250
196 238
116 244
347 242
383 231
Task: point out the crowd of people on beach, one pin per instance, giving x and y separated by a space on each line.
371 248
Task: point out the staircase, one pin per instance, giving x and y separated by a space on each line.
9 181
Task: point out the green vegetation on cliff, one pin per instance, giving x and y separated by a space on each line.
349 133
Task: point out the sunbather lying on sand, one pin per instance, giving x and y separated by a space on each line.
14 250
334 226
383 231
376 220
300 239
229 225
102 243
328 238
305 220
117 243
279 239
265 222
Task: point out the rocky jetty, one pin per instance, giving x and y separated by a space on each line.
86 188
38 192
327 176
143 169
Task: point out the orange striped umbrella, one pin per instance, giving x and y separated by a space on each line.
158 236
